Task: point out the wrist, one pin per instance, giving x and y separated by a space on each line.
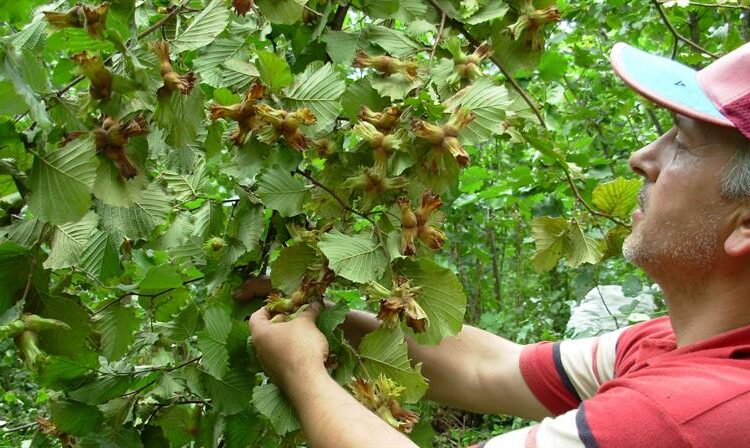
302 376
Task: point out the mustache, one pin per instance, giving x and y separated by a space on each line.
642 198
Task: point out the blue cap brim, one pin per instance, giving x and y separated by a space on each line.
665 82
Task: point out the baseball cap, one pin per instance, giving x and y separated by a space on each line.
718 94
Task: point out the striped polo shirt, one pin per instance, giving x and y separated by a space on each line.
634 388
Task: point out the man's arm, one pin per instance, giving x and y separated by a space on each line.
474 370
293 354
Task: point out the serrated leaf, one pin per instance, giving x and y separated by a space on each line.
220 51
102 389
279 190
60 372
186 186
395 87
212 341
247 224
341 45
217 272
271 402
395 42
494 9
240 430
274 71
487 102
30 36
361 93
182 116
74 342
382 9
61 182
232 393
318 88
556 238
203 29
76 40
159 278
330 318
441 296
617 197
25 233
583 249
178 424
115 191
69 240
209 220
75 418
117 325
185 324
286 12
138 220
549 235
101 258
355 258
11 68
384 351
289 267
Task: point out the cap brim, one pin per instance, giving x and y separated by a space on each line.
666 83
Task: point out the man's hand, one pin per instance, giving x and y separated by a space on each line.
288 350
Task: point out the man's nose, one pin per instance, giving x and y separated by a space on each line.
645 161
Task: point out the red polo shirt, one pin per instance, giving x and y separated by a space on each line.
635 388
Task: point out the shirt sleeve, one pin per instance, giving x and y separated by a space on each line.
618 418
563 374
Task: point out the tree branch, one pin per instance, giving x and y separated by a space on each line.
588 207
713 5
677 34
339 17
475 42
306 174
123 296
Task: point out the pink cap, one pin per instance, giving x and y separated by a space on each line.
719 94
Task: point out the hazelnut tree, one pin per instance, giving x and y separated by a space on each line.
179 165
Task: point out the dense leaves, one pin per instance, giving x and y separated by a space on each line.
155 155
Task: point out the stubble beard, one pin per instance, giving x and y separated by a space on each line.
688 247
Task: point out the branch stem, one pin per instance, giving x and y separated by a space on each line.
476 43
677 34
306 174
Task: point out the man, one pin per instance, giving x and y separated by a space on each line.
682 380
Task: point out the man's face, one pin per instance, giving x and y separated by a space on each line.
682 221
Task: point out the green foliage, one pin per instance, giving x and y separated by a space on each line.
137 240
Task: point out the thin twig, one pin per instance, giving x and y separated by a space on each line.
308 9
712 5
343 203
438 37
127 294
677 34
264 254
21 427
476 43
586 204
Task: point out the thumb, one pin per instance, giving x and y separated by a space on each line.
311 313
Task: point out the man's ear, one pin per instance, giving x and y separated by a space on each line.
737 243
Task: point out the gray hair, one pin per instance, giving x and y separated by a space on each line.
735 183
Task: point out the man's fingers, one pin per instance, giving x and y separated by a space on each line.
259 317
311 313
